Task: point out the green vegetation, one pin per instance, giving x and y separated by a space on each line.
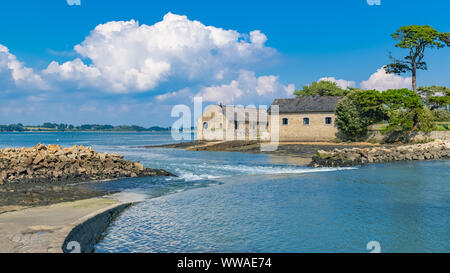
402 109
406 112
442 126
357 111
53 127
441 115
434 97
321 88
416 39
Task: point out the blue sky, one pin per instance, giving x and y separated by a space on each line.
239 52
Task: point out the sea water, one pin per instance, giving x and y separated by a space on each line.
235 202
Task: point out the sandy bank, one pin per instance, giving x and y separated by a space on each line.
46 229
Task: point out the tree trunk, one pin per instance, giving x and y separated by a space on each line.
414 80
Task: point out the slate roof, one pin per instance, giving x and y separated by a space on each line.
307 104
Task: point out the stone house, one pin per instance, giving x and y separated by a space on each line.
299 119
220 122
306 119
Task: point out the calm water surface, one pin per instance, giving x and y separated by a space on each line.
234 202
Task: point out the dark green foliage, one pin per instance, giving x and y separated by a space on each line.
357 111
403 99
406 112
371 103
418 119
349 119
416 39
402 108
441 115
12 128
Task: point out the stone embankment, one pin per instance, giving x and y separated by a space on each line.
77 163
356 156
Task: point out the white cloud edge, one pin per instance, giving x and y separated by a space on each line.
174 48
379 80
136 75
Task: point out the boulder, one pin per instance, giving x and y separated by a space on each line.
38 159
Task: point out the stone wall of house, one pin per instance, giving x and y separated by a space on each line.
296 130
216 124
218 127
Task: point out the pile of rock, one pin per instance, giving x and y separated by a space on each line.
356 156
76 163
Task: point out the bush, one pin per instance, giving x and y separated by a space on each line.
349 119
426 120
357 111
406 112
441 115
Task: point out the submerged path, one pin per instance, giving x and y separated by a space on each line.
44 229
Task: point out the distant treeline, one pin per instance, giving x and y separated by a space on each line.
85 127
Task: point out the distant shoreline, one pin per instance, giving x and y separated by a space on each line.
87 131
63 127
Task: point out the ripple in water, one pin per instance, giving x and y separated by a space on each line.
403 206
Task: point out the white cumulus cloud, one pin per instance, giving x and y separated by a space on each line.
182 95
14 71
247 89
74 70
126 57
341 83
382 81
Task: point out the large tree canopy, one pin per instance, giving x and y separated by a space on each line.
416 39
321 88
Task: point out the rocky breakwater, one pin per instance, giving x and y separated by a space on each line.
77 163
356 156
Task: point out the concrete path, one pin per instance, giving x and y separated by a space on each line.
44 229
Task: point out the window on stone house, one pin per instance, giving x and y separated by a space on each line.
285 121
305 121
328 120
205 125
